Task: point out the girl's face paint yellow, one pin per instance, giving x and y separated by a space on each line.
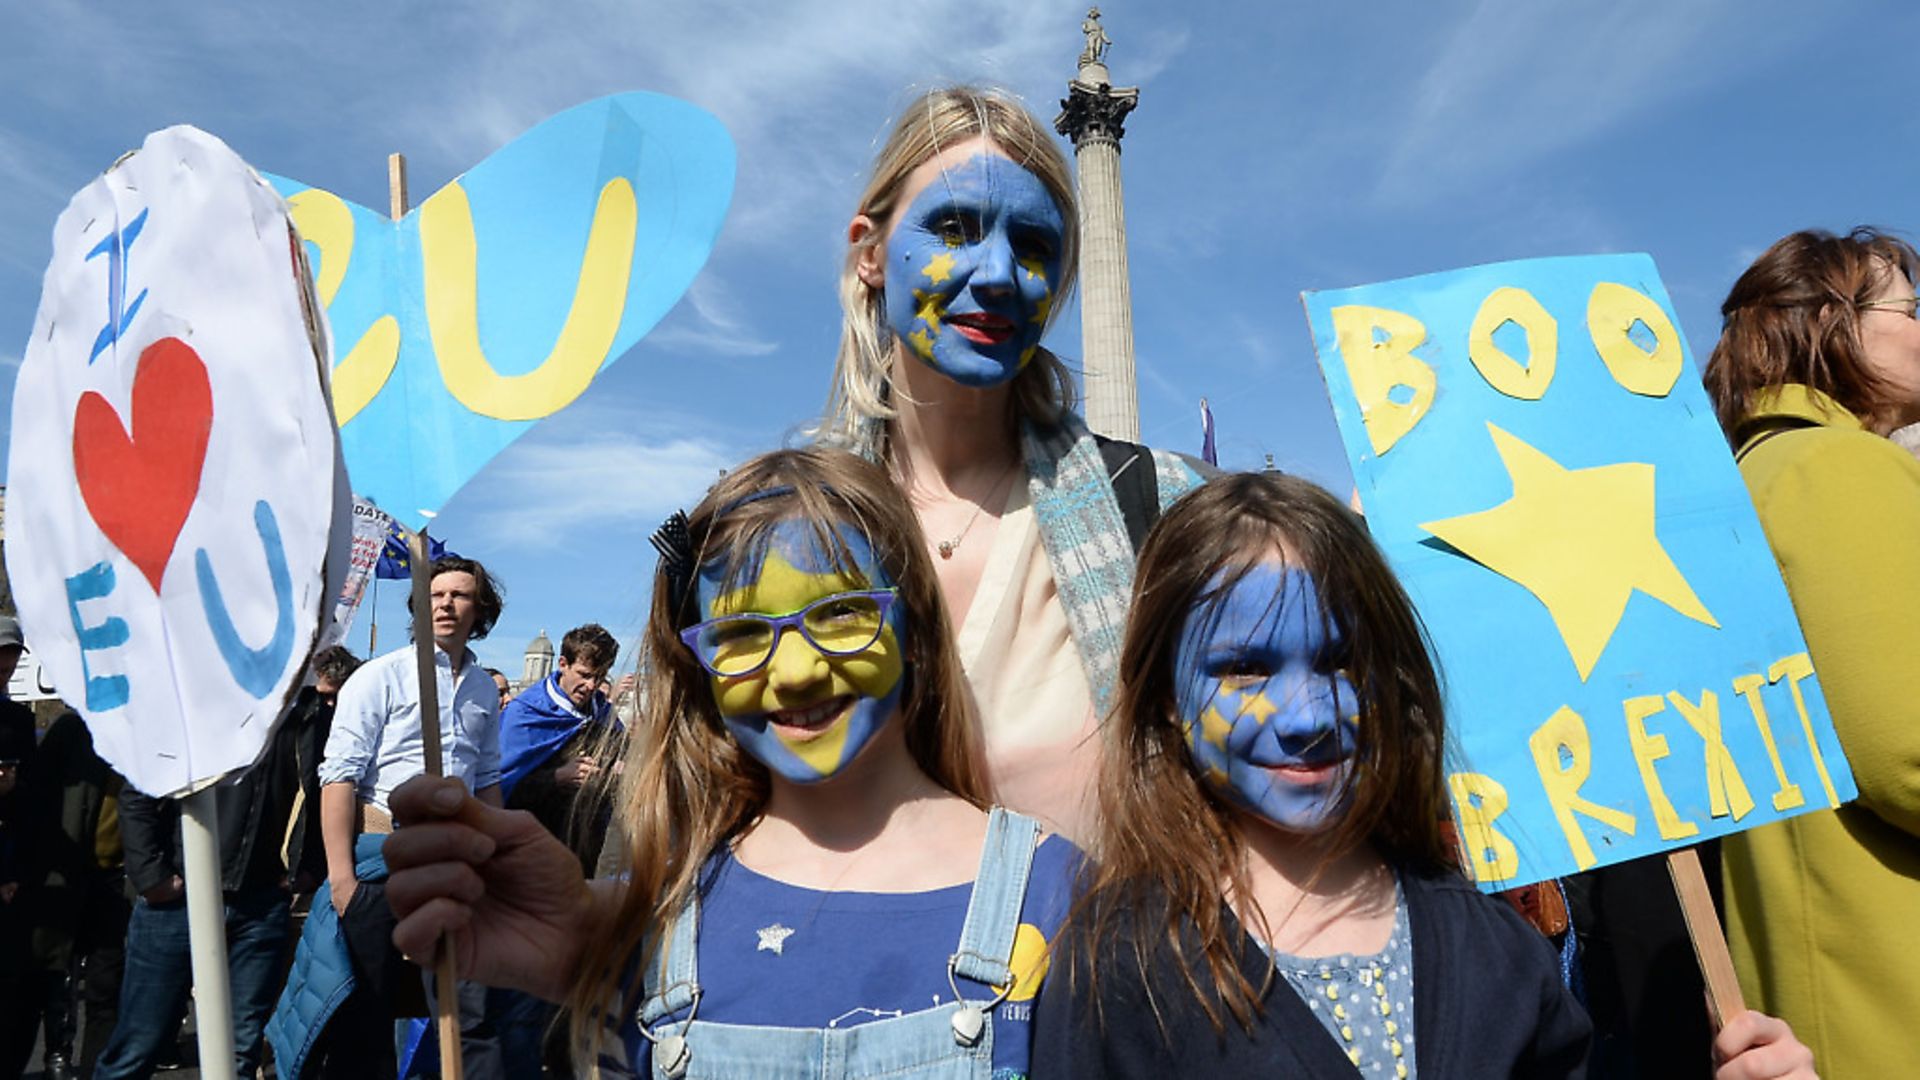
807 714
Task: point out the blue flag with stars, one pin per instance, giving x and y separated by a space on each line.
1538 459
396 559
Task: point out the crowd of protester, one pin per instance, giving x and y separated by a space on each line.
970 743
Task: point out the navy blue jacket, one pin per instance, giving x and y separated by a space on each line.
1488 1002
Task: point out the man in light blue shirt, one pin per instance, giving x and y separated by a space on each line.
375 745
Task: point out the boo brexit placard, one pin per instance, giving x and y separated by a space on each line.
1540 463
176 493
495 302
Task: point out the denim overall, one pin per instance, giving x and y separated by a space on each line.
949 1041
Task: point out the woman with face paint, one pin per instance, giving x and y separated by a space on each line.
961 251
813 875
1272 892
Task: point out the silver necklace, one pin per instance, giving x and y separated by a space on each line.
948 547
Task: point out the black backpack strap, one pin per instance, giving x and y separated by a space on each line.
1130 470
1761 432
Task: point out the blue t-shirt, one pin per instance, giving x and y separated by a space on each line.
778 955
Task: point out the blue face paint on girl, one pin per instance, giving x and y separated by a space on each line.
806 715
972 263
1271 725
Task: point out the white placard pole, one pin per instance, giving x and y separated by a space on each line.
207 927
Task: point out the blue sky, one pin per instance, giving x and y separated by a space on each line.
1277 148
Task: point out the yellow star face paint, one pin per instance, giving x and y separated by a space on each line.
807 713
938 269
1255 666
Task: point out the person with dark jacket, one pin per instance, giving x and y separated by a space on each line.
79 905
1488 1004
305 734
254 810
18 1014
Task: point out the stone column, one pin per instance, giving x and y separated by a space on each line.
1092 115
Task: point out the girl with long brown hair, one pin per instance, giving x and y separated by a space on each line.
812 873
1273 892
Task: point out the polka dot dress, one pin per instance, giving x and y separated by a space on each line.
1365 1002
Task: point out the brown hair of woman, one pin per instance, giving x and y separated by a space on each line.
1168 844
1794 317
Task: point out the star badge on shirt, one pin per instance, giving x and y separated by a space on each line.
773 939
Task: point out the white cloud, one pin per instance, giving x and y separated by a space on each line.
1520 79
711 321
609 479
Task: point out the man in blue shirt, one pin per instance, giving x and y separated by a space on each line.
376 744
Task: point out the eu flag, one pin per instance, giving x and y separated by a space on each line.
394 557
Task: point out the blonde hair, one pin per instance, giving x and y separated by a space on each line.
858 406
688 789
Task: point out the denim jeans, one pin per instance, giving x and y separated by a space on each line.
158 976
521 1022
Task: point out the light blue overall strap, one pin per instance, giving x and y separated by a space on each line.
993 914
673 977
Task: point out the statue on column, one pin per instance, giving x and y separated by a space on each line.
1097 40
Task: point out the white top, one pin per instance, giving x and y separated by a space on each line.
376 738
1036 708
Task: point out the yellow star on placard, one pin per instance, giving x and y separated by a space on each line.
938 269
1258 707
1214 727
1580 540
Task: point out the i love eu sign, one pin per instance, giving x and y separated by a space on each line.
177 496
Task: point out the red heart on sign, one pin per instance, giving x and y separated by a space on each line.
140 487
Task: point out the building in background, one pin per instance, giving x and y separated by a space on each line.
539 662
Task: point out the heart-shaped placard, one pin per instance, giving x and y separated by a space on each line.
140 484
496 301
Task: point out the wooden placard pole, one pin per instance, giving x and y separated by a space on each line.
446 1002
1709 943
397 184
446 996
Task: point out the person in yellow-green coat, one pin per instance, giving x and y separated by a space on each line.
1818 361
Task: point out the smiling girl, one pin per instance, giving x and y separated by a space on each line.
813 875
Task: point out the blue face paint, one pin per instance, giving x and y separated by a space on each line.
972 264
1271 726
806 715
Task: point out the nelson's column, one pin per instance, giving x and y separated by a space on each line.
1091 115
